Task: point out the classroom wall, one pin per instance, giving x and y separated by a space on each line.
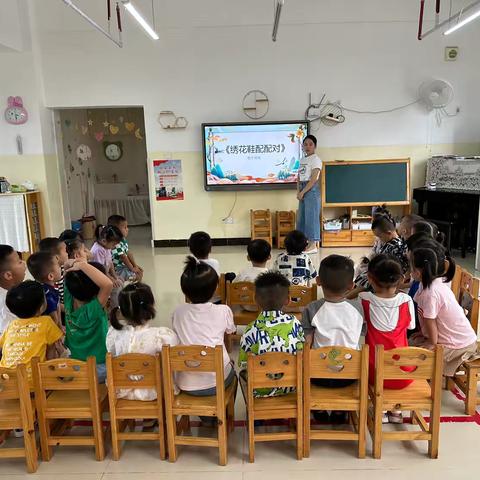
211 53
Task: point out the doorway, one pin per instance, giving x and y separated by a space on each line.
103 167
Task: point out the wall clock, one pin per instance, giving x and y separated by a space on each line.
113 151
15 114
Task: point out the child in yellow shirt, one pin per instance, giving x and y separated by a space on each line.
31 334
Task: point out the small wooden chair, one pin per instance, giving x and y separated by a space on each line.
456 281
470 291
467 375
261 225
17 411
300 297
196 358
424 394
73 393
238 295
285 221
221 290
274 370
336 363
135 371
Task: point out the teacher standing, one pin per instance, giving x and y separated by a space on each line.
308 194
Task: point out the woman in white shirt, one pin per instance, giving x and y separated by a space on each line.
308 194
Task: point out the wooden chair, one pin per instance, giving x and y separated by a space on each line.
467 376
424 394
261 225
300 297
456 281
17 411
221 290
240 294
336 363
135 371
196 358
67 389
274 370
285 221
468 292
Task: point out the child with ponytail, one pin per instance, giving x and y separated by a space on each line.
442 319
200 322
107 237
130 332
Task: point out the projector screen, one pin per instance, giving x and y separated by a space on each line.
252 156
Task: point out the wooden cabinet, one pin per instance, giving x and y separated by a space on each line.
21 221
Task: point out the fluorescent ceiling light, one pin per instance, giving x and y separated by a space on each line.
139 18
466 20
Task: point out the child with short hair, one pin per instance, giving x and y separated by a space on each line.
442 318
107 238
200 322
406 225
57 247
273 330
130 332
200 245
429 229
45 269
388 316
31 334
12 273
258 253
123 260
334 320
296 265
87 290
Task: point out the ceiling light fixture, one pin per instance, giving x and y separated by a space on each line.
139 18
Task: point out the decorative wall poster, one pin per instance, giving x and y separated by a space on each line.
168 179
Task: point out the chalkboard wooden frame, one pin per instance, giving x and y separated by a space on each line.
405 161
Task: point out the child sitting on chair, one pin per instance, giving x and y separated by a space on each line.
32 333
294 264
12 273
200 322
131 332
57 247
273 330
87 290
388 316
125 265
334 320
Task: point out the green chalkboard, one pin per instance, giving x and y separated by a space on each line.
373 182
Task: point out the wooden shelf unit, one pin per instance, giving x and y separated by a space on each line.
350 237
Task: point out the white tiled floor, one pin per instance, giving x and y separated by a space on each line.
458 459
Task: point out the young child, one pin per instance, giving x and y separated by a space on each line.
45 269
123 260
200 245
57 247
442 319
107 237
130 332
384 229
334 320
258 253
406 225
388 316
428 229
273 330
31 333
75 245
294 264
87 290
12 273
200 322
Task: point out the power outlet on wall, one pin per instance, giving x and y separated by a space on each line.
228 220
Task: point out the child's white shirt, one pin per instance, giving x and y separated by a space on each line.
5 314
215 264
250 274
141 339
202 324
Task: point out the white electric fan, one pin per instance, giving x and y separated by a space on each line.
436 95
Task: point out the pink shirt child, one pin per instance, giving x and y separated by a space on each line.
102 255
439 302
